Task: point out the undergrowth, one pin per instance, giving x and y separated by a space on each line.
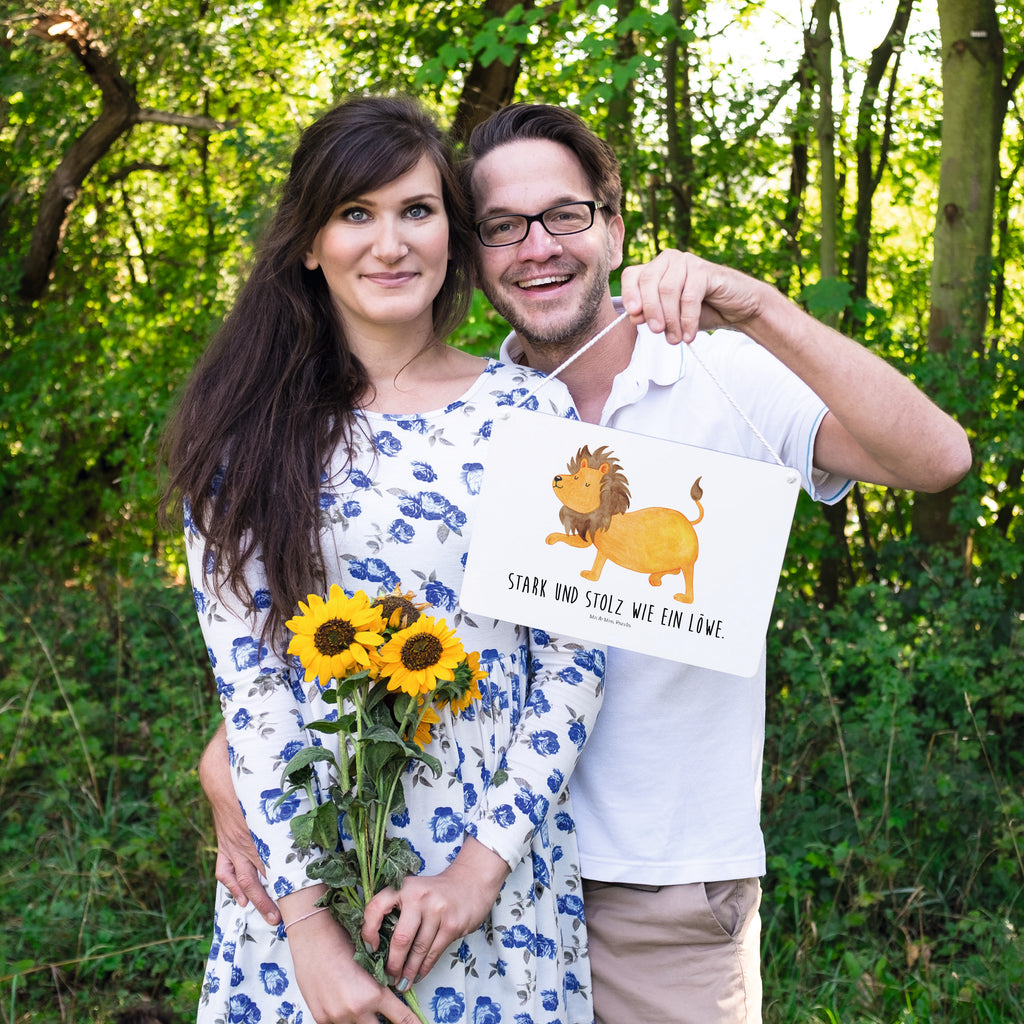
893 799
106 878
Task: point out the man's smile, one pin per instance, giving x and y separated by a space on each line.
540 282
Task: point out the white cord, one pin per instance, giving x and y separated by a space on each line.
590 344
721 387
692 351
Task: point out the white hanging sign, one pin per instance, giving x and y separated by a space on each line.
630 541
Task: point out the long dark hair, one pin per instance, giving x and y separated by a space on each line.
274 394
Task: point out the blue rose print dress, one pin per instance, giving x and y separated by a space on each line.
403 515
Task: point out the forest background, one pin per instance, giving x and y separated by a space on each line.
866 158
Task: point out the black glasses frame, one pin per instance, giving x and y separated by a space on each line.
530 218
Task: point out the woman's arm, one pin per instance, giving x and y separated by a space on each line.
238 866
263 715
435 910
565 692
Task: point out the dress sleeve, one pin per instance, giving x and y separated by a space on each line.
564 696
263 706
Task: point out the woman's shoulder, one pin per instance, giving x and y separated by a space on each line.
499 370
510 385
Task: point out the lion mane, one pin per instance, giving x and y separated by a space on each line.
614 494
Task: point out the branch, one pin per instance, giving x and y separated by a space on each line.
881 55
1013 80
125 172
487 89
119 112
206 124
117 115
65 26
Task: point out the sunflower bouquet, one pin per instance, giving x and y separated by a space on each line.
390 669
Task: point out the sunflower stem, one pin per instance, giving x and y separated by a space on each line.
414 1004
361 834
343 762
381 824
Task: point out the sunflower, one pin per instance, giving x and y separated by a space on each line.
417 657
472 692
423 734
332 636
399 608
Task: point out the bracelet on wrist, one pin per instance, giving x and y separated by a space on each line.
305 917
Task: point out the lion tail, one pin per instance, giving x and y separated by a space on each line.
697 492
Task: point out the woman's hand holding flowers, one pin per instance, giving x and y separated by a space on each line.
435 910
336 989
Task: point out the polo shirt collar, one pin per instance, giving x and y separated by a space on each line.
653 360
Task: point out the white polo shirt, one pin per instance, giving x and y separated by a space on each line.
668 789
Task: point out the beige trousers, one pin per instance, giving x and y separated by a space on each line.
675 954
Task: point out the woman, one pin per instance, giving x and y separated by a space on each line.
330 436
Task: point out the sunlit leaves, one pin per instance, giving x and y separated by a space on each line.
161 233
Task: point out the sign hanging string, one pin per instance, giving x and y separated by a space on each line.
691 350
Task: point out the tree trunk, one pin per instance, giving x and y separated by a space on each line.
487 89
117 115
869 170
818 47
679 132
972 117
797 194
819 55
973 105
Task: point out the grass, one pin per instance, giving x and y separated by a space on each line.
107 881
893 809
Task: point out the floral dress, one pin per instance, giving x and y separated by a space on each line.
402 515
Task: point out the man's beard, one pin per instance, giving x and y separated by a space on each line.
569 335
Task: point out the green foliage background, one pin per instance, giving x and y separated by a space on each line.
894 783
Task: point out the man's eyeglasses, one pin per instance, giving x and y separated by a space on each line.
564 219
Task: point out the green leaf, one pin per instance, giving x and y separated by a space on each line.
377 700
342 799
498 52
325 826
827 298
429 760
372 963
302 826
381 757
453 55
299 769
339 869
381 732
398 861
329 727
350 684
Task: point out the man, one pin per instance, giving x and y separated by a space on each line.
667 792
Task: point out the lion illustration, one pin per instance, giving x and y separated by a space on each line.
595 496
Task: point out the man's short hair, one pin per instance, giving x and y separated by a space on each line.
520 121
